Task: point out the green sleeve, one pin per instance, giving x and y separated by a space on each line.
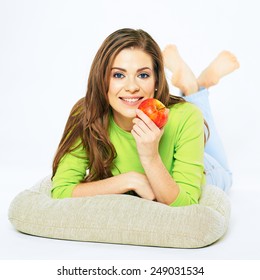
188 164
70 172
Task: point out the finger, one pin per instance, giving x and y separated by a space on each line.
142 125
135 135
146 119
138 130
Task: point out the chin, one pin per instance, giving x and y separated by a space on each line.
125 115
130 114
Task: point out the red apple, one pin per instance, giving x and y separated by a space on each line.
155 110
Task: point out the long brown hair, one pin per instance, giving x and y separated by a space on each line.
89 118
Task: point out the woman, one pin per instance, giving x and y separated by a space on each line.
111 147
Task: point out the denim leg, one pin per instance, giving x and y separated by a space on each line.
214 150
216 175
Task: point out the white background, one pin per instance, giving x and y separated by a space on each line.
46 49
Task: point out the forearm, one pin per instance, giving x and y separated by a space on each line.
163 185
113 185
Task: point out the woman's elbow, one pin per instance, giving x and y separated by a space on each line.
60 192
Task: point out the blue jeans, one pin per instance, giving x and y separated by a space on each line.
215 161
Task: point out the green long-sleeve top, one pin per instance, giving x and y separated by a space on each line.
181 149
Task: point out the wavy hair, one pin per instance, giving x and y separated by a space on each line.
89 118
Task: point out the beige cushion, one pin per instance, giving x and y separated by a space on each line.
121 219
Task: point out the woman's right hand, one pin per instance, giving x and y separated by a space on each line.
139 183
119 184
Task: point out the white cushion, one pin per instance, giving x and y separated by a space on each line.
121 219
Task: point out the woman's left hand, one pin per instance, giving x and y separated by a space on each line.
147 136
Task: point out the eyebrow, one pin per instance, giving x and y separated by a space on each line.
138 70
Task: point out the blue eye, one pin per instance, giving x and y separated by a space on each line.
144 76
118 75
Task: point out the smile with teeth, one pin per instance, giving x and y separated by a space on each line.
131 100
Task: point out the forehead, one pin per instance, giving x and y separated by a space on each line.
133 56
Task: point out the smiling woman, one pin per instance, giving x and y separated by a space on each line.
105 126
111 147
132 80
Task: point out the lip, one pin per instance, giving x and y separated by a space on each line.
131 101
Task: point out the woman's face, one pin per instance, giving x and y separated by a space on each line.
132 80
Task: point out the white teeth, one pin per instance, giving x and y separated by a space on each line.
130 99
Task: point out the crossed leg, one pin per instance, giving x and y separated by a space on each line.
184 79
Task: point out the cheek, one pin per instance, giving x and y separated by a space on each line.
151 85
114 88
150 89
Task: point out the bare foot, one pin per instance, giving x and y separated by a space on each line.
221 66
182 76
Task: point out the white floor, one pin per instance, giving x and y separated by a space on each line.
240 243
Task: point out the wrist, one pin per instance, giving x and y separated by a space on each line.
128 180
150 161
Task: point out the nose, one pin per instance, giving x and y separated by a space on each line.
131 85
